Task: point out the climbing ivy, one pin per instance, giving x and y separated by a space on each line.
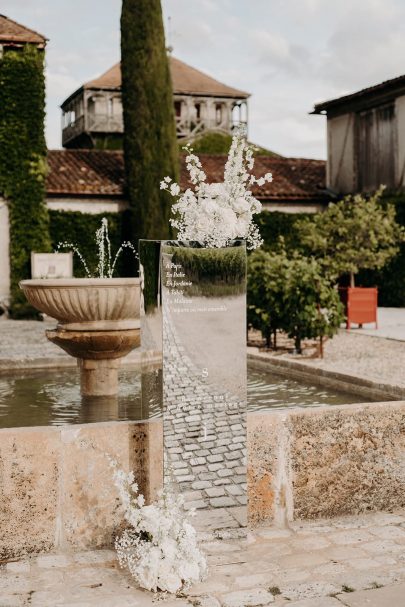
23 164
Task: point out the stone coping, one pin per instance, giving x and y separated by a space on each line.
78 282
339 381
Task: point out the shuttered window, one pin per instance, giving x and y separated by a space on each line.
376 141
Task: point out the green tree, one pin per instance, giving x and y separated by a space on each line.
292 294
23 164
353 234
312 303
267 273
150 144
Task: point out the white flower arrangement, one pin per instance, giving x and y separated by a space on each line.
217 213
159 547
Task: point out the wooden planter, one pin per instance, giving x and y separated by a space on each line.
360 305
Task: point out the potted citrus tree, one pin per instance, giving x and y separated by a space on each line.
356 233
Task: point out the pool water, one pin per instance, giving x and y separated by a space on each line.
52 397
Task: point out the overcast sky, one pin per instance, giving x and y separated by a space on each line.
288 54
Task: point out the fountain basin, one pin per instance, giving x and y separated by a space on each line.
86 304
98 323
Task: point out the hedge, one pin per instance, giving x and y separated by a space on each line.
391 279
276 225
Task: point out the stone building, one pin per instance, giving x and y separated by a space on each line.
14 36
366 138
92 115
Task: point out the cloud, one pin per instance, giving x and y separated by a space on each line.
367 45
278 54
60 84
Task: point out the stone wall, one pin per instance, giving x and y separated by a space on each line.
56 489
326 462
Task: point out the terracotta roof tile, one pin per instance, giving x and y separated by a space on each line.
293 178
85 172
186 80
101 173
13 32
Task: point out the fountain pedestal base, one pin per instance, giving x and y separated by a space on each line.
99 377
98 354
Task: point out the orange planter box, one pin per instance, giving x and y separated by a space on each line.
360 305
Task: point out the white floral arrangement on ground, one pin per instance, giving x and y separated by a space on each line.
159 547
217 213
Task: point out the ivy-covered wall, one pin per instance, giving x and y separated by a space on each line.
23 164
80 229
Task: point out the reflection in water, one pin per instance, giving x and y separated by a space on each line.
269 391
52 397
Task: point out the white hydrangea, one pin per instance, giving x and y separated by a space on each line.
159 547
217 213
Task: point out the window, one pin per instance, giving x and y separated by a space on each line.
376 139
218 113
177 108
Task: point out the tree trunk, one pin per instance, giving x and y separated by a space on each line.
150 142
352 279
268 337
275 339
297 343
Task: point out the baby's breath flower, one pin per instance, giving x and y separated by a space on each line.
174 189
159 547
217 213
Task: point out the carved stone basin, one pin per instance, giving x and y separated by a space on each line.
86 304
98 323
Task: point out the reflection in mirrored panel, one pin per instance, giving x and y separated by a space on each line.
200 299
151 329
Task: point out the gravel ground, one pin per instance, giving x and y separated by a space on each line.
375 358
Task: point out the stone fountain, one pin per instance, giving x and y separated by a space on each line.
98 323
98 318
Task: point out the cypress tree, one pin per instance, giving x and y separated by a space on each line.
150 143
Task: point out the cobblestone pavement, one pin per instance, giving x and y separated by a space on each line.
204 434
352 561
